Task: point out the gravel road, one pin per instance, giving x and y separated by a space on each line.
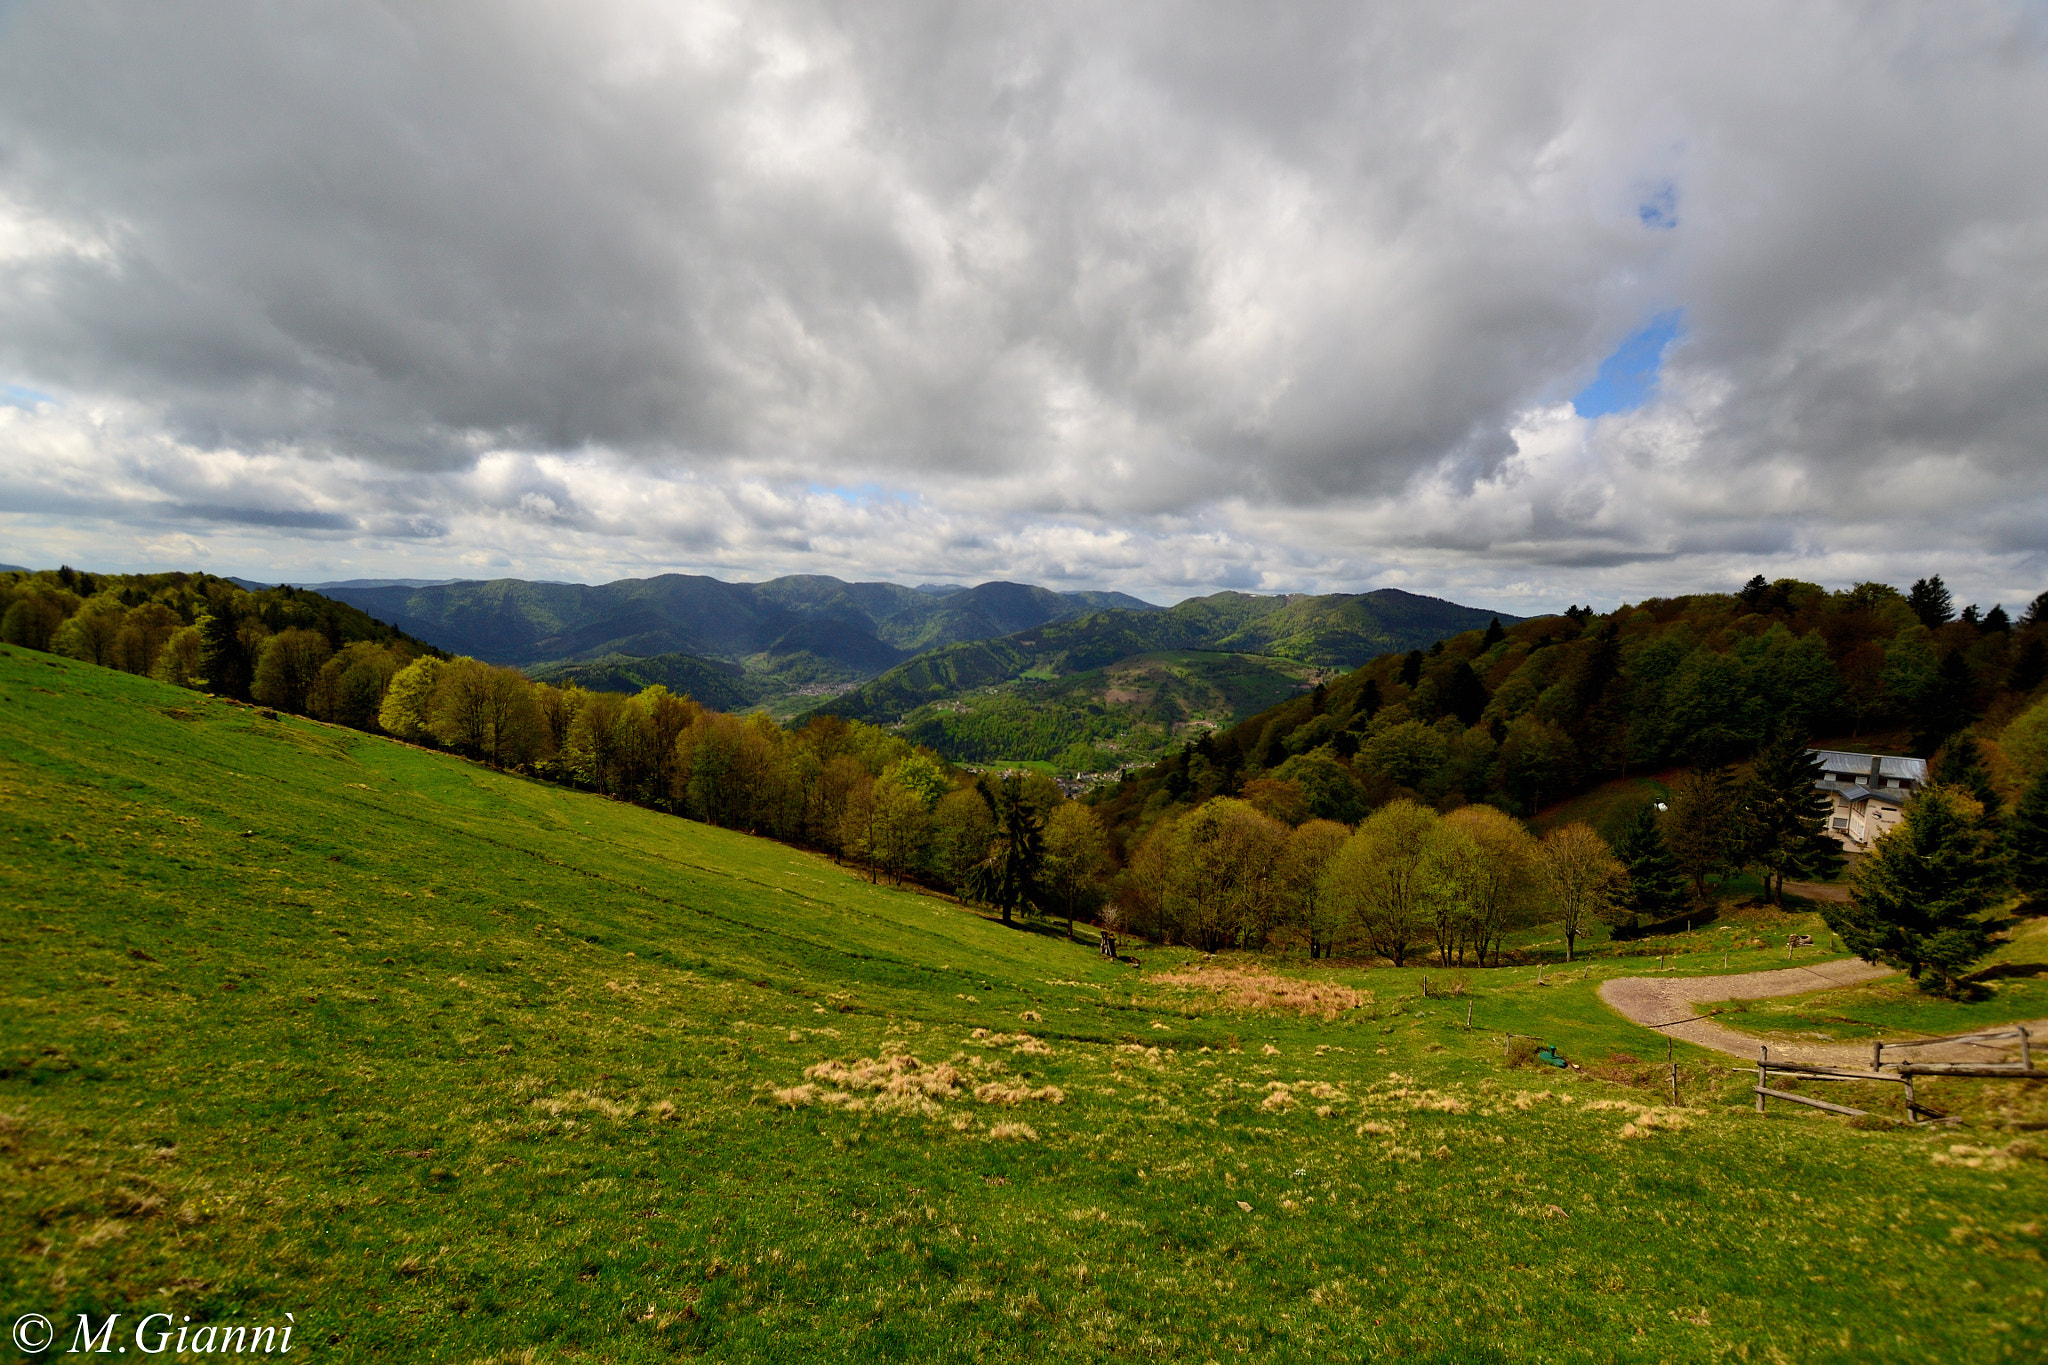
1667 1004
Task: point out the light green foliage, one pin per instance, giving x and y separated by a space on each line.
1077 859
1407 751
407 709
1208 878
509 1072
2024 741
922 776
1584 878
1382 880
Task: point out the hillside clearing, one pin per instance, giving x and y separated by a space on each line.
454 1066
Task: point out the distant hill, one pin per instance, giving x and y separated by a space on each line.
1341 630
721 686
809 628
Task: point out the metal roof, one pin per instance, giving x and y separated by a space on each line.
1859 765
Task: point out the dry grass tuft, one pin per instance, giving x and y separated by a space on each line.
1653 1121
1249 988
1013 1132
1018 1092
1017 1042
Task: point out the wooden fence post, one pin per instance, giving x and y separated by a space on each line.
1763 1057
2026 1049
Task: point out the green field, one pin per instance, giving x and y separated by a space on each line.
454 1066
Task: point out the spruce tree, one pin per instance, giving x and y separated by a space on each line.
1947 705
2027 841
1011 877
1931 602
1787 818
1656 888
1919 898
1494 634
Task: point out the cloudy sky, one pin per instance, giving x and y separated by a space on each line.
1516 304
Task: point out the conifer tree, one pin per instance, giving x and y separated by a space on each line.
1947 705
1009 878
1494 635
1919 898
1787 817
1656 888
1700 826
2027 841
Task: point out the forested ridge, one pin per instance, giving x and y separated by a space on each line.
1336 630
1525 715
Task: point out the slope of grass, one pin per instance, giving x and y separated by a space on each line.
456 1067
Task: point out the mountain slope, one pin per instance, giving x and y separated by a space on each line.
828 627
1336 631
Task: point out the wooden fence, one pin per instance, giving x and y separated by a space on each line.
1901 1072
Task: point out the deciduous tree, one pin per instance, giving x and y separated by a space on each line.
1583 875
1379 880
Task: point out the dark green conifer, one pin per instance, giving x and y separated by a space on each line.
1656 888
1786 817
2027 841
1920 896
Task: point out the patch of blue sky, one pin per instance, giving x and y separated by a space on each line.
859 494
17 396
1659 208
1628 377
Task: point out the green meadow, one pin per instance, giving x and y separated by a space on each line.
453 1066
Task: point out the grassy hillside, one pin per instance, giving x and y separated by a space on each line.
453 1066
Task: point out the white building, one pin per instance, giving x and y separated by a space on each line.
1869 793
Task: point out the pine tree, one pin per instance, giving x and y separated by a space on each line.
1010 877
1494 635
1947 706
1931 602
1465 695
1701 825
1656 888
1787 818
2027 841
1919 898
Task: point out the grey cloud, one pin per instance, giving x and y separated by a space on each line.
1053 271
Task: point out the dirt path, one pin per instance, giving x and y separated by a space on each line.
1667 1004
